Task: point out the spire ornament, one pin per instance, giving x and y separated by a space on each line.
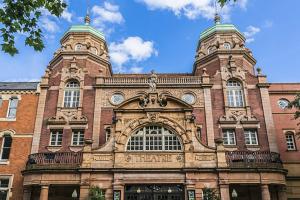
87 18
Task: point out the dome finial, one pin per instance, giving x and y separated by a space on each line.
87 18
217 18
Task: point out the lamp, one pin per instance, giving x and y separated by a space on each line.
138 190
169 190
74 194
234 194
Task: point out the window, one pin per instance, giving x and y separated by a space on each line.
6 146
210 50
154 138
72 95
229 137
12 108
107 133
78 47
56 138
1 100
4 188
77 137
283 103
227 46
199 133
290 141
251 137
235 95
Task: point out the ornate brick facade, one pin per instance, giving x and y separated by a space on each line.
164 136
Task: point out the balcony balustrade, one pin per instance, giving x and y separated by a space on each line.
253 159
59 160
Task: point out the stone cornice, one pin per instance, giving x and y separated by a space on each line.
57 58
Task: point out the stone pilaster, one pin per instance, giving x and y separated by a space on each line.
26 193
265 193
39 117
44 192
266 104
84 192
224 191
97 114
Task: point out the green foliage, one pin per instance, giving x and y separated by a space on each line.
210 194
296 104
96 193
223 2
22 16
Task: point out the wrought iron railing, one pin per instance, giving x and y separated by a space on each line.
253 159
54 160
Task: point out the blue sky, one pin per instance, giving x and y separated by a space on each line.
162 35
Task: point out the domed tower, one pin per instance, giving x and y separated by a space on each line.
219 42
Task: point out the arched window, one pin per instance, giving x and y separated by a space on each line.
227 46
72 94
290 141
235 94
210 50
6 146
154 138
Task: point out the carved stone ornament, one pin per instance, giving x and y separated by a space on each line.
57 120
153 116
143 101
152 81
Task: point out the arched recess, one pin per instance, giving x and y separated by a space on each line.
132 127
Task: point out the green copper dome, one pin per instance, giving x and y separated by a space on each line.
85 29
218 27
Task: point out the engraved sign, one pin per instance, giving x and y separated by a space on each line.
154 158
102 157
201 157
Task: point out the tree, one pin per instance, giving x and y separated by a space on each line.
210 194
223 2
296 104
22 16
96 193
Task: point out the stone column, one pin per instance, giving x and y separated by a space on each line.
44 192
26 193
265 193
224 191
84 192
282 193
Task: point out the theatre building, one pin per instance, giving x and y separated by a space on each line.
154 136
18 103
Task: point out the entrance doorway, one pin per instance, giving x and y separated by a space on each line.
154 192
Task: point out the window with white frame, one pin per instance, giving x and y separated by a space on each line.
4 188
227 46
77 137
72 94
229 137
235 94
56 137
107 133
78 47
154 138
251 137
6 147
290 141
12 108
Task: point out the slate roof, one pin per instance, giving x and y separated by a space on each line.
18 85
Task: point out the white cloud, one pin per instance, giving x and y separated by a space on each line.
49 25
192 9
268 24
250 32
67 15
131 49
136 70
106 13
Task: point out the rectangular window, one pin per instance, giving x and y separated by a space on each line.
1 100
107 133
199 133
4 188
290 141
56 137
251 137
77 137
71 99
6 146
229 137
12 108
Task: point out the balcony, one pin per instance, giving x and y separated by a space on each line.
59 160
253 159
